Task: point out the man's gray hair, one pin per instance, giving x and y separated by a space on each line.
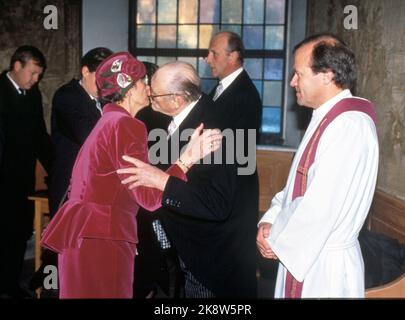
182 78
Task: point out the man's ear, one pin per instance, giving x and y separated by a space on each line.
235 56
17 66
328 77
178 100
85 71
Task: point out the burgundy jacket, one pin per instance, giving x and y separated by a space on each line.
99 206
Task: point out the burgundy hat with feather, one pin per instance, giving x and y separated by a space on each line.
118 73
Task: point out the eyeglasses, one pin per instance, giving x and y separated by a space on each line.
154 96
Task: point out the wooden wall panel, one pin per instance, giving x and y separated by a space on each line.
40 175
387 216
273 168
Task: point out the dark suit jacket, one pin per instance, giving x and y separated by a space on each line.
150 262
74 115
239 105
211 219
1 139
153 119
25 141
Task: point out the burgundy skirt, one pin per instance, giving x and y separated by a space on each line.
99 268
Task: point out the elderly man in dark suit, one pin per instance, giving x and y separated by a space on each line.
25 141
211 219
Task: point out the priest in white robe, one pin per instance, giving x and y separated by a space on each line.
315 236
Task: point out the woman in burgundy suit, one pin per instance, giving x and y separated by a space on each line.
95 231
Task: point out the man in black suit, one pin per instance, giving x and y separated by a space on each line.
25 141
235 96
75 111
237 101
210 220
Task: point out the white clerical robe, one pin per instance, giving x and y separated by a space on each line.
315 236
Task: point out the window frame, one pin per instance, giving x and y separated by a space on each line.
265 138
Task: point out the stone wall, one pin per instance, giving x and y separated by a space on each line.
21 22
379 44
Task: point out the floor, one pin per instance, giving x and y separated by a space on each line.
265 277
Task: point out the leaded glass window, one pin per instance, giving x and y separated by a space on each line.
166 30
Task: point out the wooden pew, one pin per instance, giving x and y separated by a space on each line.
394 289
387 216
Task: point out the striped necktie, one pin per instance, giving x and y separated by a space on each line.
218 91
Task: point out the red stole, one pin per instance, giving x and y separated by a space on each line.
293 288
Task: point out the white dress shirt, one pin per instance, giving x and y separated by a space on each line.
16 86
179 118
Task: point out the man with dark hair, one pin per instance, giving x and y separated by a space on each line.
313 224
75 111
332 54
24 55
25 140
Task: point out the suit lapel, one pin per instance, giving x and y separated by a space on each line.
192 120
212 93
234 86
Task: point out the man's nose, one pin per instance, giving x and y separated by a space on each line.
293 81
35 78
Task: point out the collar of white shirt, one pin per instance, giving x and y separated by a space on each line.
16 86
98 104
226 82
324 108
179 118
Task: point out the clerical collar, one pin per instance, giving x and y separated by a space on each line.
178 119
226 82
16 86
